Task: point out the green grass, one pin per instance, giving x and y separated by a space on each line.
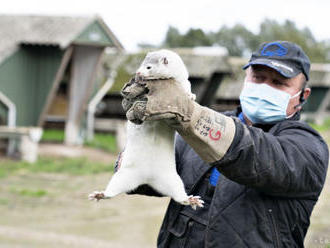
72 166
29 192
321 128
104 141
3 201
53 135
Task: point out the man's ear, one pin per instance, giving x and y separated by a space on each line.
303 98
307 93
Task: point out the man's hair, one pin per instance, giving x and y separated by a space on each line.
304 82
304 85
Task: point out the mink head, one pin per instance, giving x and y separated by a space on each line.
162 64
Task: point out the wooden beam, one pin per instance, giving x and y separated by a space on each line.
59 75
210 89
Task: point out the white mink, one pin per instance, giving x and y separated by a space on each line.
149 156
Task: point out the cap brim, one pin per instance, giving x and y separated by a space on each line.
284 69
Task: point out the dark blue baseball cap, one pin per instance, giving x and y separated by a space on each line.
283 56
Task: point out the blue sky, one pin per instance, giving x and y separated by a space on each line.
138 21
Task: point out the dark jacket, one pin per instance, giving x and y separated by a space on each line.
270 180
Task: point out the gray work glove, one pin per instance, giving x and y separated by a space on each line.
208 132
134 93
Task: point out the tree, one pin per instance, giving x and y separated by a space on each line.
173 38
271 30
241 42
238 40
193 37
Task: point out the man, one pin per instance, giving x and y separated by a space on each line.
259 169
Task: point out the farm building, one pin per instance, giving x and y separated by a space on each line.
48 67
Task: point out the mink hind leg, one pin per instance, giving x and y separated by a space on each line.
171 185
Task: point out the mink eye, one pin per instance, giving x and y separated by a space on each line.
148 67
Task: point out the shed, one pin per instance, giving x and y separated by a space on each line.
227 95
42 56
317 108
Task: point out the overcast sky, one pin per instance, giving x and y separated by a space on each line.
146 21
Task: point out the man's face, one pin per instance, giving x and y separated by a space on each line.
264 74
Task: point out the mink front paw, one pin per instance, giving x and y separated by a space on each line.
195 201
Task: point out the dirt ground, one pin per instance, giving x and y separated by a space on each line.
59 150
63 217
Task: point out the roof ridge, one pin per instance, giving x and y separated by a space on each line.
45 29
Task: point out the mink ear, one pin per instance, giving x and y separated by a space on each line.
165 61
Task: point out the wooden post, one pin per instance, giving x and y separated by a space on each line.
210 89
84 66
59 75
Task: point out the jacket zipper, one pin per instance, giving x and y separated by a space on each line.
274 228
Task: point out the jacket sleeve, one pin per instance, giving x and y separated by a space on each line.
290 161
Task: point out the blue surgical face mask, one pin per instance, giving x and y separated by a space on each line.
264 104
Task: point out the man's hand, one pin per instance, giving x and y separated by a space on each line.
156 100
134 95
208 132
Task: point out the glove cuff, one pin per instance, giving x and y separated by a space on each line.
208 132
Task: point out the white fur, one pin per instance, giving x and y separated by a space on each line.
153 67
149 156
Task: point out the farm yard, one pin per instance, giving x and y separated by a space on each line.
62 122
45 204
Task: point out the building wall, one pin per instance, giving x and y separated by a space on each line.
315 99
26 78
94 34
3 114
